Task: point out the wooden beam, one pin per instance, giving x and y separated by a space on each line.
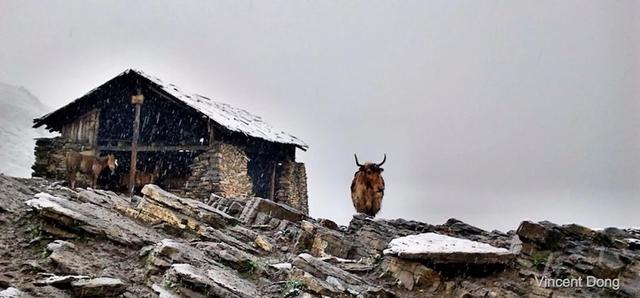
144 148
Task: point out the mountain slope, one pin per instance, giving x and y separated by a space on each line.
165 245
17 109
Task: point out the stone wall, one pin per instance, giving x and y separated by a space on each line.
204 175
235 170
234 173
291 186
222 170
50 159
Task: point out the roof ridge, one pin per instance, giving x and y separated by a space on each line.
236 119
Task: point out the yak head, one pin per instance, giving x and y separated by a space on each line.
372 174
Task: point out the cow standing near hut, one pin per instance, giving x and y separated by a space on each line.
88 164
367 187
206 146
143 178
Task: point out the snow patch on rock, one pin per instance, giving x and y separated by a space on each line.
633 241
437 243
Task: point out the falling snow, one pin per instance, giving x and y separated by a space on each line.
232 118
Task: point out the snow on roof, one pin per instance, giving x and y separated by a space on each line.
234 119
436 243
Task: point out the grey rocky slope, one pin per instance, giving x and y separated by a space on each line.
57 242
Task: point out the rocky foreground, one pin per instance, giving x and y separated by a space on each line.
58 242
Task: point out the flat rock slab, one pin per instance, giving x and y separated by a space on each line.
59 281
439 248
93 219
13 293
218 282
169 251
270 208
98 287
633 243
60 244
328 278
194 209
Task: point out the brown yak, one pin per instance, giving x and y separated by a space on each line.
89 165
367 188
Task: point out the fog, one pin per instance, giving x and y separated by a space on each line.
491 112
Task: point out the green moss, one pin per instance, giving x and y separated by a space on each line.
539 258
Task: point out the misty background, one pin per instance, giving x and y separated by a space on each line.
491 112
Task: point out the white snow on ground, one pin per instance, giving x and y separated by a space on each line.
633 241
436 243
18 107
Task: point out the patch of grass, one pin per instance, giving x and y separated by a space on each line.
169 284
34 231
386 274
45 253
292 288
539 257
249 267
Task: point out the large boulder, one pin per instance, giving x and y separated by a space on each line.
170 251
540 236
442 249
229 255
333 279
71 217
410 274
321 241
369 236
182 213
60 281
98 287
257 208
12 292
208 282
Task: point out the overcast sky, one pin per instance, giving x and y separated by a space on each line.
489 111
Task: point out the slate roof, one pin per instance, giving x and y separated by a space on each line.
232 118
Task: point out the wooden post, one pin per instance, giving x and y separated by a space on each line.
272 194
136 100
211 133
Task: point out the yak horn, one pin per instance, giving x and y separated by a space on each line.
383 160
357 163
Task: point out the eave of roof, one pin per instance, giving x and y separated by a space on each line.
232 118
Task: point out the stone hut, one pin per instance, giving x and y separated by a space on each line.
188 143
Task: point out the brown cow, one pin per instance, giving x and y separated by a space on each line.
89 165
142 178
367 188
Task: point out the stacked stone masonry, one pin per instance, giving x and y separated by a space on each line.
50 156
227 169
292 186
